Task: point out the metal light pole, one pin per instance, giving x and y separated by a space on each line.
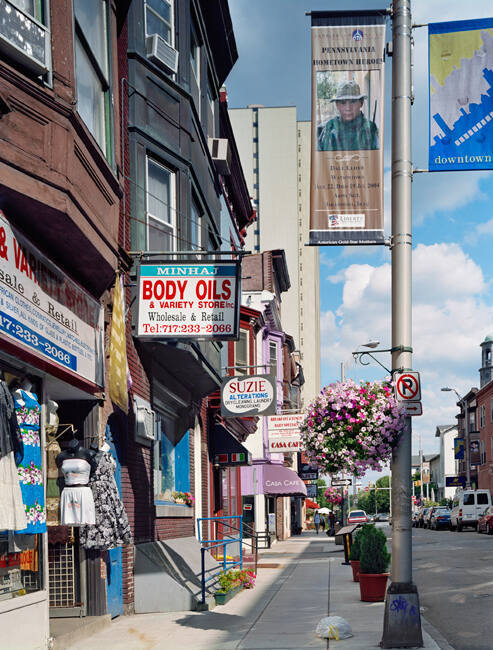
399 631
463 407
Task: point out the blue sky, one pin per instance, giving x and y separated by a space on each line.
452 214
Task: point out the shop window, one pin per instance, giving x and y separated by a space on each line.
92 70
21 547
171 460
161 212
159 19
241 354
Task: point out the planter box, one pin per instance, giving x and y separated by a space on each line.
373 587
222 599
355 568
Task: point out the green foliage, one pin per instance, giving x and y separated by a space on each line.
326 86
355 550
321 500
374 555
366 500
446 502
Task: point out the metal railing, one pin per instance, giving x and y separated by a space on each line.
222 533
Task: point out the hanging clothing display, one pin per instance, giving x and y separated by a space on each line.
28 410
12 511
77 502
112 528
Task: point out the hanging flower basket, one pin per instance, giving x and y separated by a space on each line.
352 428
332 495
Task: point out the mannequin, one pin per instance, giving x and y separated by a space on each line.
77 503
76 450
51 417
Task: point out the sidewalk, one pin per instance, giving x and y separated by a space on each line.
291 595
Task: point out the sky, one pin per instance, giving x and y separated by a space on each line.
452 216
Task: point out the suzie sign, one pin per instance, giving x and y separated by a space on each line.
43 310
248 396
182 300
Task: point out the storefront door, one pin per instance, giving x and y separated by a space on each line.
114 576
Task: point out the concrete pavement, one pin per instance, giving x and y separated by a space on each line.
299 581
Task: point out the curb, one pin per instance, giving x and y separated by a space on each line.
437 636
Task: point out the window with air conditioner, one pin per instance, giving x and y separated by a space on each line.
24 34
92 70
160 37
161 209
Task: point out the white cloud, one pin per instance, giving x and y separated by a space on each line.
451 316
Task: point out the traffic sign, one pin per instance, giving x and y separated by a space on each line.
341 482
407 386
413 408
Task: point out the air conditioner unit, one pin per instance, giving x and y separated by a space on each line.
23 38
144 423
221 155
162 54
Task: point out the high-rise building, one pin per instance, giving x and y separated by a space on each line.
275 155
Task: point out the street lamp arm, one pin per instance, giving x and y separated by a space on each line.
361 357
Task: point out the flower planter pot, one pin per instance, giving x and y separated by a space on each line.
373 586
222 599
355 568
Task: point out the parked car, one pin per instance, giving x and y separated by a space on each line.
440 518
382 516
357 517
485 521
415 519
427 517
422 513
467 507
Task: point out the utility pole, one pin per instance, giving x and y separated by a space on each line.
399 631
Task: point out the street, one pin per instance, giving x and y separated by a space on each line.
454 576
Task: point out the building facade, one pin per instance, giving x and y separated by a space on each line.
60 192
275 153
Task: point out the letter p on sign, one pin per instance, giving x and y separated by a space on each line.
407 386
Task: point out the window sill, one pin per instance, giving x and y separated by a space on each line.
164 509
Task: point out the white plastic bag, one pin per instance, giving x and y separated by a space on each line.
333 627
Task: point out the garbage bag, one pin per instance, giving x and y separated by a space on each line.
333 627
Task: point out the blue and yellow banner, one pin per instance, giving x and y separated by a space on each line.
461 95
458 448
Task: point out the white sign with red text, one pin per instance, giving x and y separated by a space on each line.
188 300
45 312
248 395
284 432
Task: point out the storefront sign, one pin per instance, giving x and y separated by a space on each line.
284 432
455 481
248 396
44 311
461 97
346 188
181 300
307 472
311 491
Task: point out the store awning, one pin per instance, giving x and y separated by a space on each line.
226 450
282 481
311 504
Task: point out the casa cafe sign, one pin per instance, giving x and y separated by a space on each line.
248 396
185 300
284 432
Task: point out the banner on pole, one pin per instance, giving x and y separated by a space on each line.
346 190
461 95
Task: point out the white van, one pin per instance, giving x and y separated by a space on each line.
467 506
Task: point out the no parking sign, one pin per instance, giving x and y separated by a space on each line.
407 386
